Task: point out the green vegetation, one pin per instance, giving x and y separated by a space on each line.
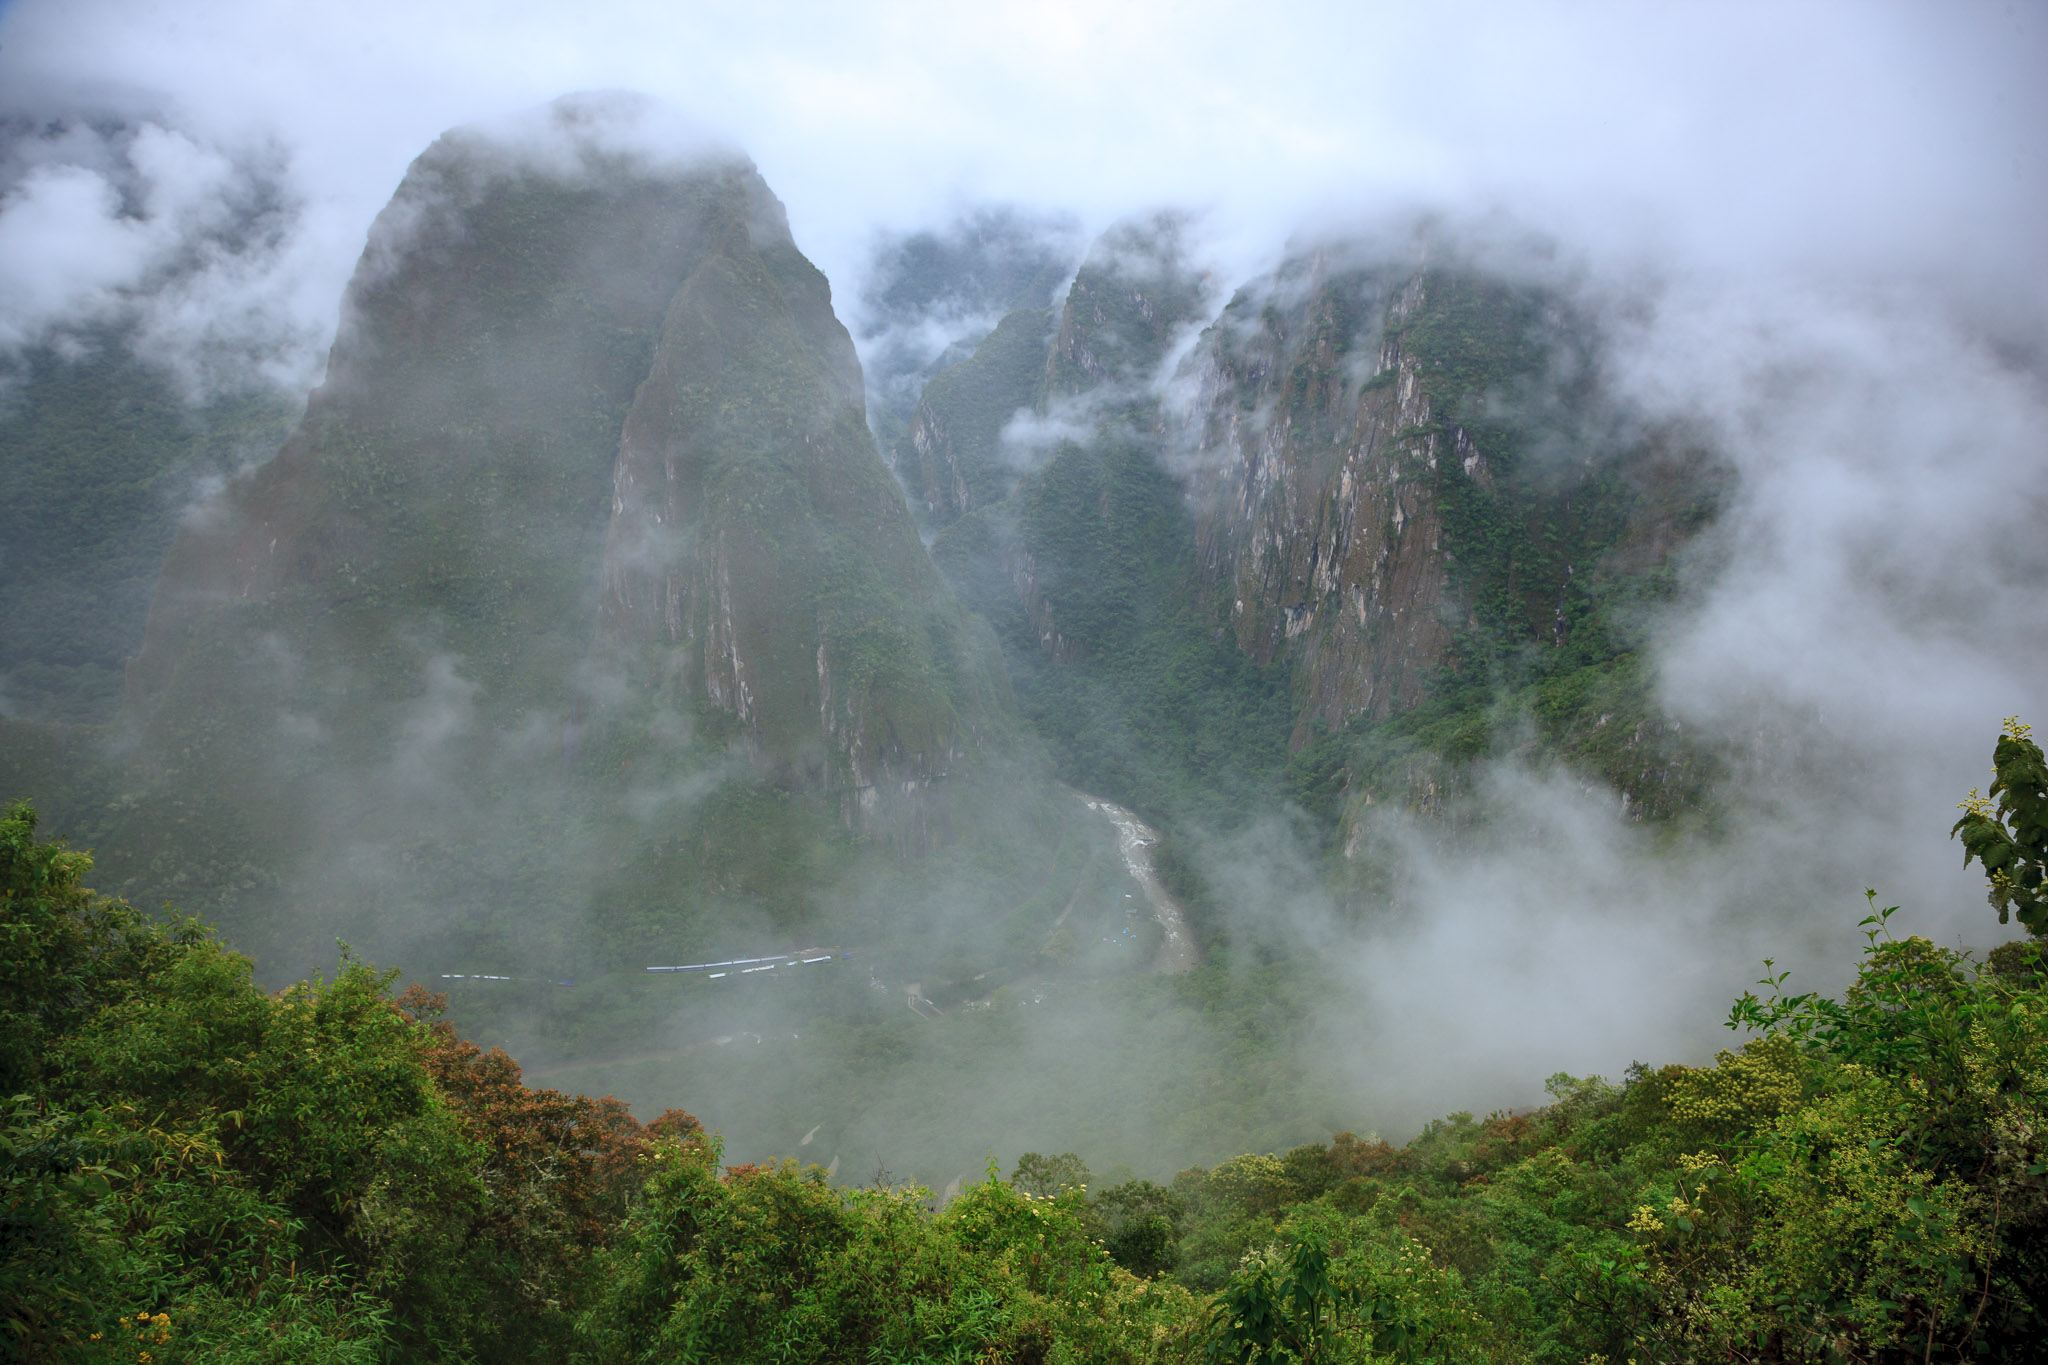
193 1169
2010 839
100 455
1849 1185
1086 569
967 406
1139 699
752 1264
1559 551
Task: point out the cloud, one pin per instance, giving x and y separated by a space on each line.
1029 438
188 246
1813 232
84 230
1847 137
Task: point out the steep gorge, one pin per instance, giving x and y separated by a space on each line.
581 612
1395 487
579 596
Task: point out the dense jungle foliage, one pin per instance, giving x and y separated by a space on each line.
571 806
101 455
192 1168
1559 557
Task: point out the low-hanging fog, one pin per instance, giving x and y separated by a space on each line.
1810 236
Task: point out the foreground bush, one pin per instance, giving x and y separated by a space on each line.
193 1169
1865 1180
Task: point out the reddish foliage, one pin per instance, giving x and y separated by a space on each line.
561 1162
1508 1139
674 1123
1350 1156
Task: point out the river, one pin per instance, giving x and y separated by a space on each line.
1135 840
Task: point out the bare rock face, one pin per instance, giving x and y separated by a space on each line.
756 539
1407 477
592 441
1316 471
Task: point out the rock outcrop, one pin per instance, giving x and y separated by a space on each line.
1367 479
1316 475
590 424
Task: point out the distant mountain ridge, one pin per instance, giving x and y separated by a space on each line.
580 589
581 612
1394 486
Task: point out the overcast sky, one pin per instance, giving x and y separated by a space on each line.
1858 138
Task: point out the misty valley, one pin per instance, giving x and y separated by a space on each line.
1056 804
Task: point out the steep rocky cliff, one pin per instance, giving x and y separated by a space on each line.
608 394
1316 472
581 589
1413 490
1392 490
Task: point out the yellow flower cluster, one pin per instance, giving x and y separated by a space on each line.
2015 729
149 1329
1741 1088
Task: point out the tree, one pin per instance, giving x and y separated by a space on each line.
1143 1224
1048 1175
2007 830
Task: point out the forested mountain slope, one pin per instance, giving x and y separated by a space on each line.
101 454
1379 519
579 600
